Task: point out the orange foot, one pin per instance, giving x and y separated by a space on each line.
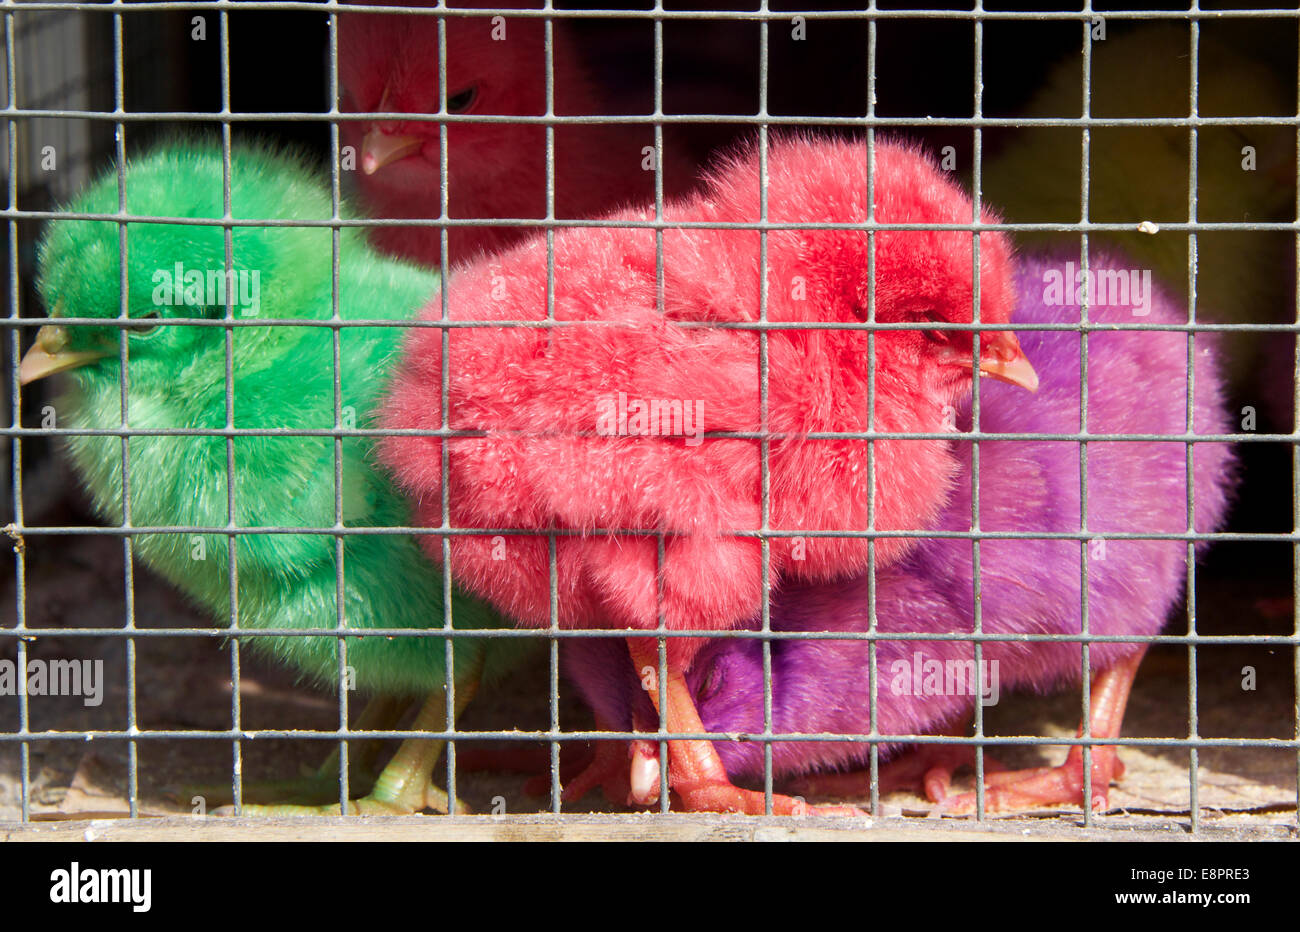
1042 786
708 795
927 769
1063 785
696 775
617 767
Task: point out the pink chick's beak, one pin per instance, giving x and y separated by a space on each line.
47 356
379 149
1004 360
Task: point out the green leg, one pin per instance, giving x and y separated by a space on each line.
381 713
405 786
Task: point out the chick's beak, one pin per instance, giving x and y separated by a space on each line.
48 356
1003 359
379 149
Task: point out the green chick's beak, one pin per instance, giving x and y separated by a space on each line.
47 356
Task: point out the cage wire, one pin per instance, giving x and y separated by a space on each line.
84 81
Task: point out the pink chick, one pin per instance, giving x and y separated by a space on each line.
562 440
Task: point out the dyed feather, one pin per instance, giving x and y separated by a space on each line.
557 453
283 379
1137 384
389 63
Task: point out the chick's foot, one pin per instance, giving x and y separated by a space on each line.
928 770
696 774
1064 785
1042 786
404 787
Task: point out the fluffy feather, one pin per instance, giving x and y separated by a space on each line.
539 394
1137 384
283 379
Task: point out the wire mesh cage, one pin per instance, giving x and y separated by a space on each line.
246 572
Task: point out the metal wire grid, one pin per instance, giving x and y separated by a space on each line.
64 63
762 120
68 67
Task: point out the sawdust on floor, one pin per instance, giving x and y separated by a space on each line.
185 683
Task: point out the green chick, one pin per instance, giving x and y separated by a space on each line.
283 379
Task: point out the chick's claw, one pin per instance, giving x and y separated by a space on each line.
707 788
308 790
927 770
1043 786
627 772
434 798
1063 785
726 797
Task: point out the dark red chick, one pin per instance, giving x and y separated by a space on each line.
497 170
597 425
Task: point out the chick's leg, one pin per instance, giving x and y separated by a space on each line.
381 713
696 774
1063 785
405 785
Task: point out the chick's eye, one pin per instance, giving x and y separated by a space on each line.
712 682
459 103
935 337
142 325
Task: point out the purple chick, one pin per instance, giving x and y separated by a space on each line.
1137 384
